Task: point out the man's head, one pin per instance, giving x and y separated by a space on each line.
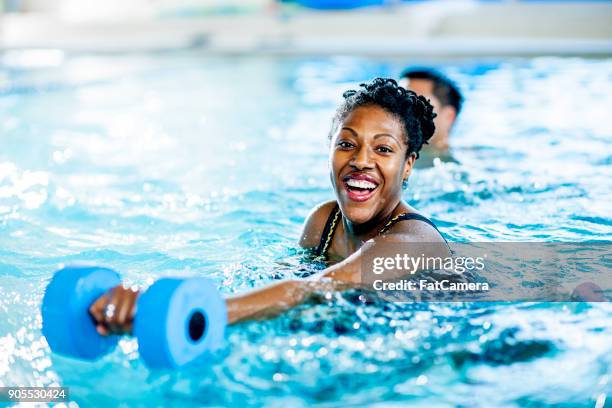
443 94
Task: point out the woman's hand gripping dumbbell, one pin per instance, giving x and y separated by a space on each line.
114 311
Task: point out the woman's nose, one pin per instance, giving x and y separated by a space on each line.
361 159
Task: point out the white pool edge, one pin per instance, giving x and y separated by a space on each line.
430 30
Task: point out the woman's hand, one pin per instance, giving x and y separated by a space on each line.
114 311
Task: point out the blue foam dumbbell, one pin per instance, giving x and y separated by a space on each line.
177 320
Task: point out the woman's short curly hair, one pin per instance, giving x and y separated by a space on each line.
412 110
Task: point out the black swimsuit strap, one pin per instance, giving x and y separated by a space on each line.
406 217
328 231
334 216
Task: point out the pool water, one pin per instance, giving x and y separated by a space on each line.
181 164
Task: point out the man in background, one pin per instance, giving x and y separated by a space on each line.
446 99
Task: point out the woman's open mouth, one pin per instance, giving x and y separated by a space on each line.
360 187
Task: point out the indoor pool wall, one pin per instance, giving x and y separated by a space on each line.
178 164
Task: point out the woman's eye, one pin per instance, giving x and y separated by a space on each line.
345 145
384 149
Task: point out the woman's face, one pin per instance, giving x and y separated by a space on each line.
368 163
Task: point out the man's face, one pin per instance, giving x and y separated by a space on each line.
425 88
446 114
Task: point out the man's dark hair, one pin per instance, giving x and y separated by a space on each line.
443 88
414 112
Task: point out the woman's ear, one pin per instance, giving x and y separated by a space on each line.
409 164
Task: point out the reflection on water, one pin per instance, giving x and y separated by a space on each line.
181 164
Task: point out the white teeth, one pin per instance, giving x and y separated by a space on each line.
361 184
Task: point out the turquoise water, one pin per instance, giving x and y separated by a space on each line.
180 164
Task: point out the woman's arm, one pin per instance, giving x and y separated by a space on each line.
277 297
264 302
348 274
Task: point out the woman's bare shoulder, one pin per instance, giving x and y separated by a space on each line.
315 223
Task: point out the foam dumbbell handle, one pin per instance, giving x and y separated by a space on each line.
67 325
179 320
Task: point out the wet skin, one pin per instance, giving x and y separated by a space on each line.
123 310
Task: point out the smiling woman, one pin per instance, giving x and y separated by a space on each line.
375 139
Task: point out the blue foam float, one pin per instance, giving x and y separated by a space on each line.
67 324
179 320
